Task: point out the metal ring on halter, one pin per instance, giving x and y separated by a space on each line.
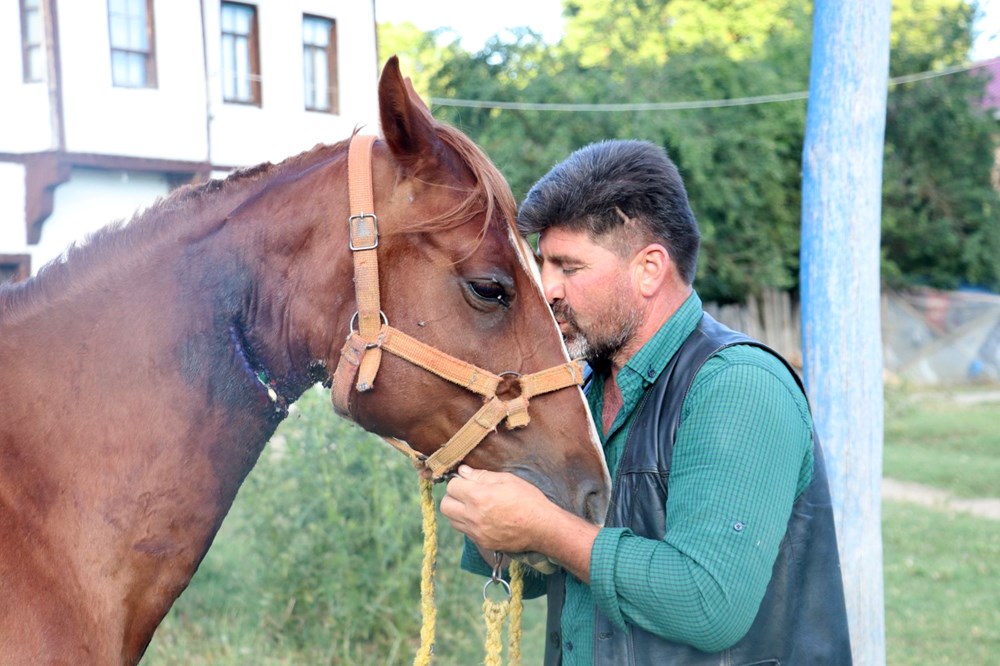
354 320
496 576
499 581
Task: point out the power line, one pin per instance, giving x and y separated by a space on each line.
681 106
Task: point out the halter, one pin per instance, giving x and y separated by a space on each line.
361 355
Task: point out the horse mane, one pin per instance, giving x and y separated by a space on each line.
490 190
80 265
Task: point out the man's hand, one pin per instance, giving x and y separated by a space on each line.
502 512
499 511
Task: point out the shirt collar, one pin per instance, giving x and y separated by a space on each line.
652 357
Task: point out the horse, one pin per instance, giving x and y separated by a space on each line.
145 370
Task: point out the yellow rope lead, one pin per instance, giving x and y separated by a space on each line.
427 608
516 606
493 612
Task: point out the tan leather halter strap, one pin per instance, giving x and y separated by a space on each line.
361 355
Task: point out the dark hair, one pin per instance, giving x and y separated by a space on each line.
624 193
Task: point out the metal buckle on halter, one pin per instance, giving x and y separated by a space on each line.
355 222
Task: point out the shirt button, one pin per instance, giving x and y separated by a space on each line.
738 526
554 637
650 372
569 646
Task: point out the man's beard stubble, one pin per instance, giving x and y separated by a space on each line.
605 337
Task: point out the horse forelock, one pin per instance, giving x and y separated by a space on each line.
493 190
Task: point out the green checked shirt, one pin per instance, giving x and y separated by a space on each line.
742 454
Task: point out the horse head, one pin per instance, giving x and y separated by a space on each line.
456 278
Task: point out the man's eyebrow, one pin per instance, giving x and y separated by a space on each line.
557 259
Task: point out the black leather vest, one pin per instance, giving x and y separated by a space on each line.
802 618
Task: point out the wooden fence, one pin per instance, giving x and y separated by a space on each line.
771 318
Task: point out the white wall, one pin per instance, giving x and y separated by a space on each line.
13 238
91 199
177 119
26 124
165 122
243 135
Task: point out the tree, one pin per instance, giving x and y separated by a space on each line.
940 212
742 163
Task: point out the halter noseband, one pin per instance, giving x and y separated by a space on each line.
362 352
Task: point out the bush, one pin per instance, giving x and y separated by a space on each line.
327 493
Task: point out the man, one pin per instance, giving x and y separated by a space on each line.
719 544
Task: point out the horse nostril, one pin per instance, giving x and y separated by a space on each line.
595 505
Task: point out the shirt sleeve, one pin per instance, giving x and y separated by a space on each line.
742 455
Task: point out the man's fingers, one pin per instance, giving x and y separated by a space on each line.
452 508
467 472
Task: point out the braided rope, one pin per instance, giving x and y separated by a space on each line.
427 608
494 613
516 606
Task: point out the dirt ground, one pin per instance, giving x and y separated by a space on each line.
934 498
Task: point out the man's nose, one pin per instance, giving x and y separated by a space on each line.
551 284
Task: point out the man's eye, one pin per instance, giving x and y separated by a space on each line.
490 290
570 270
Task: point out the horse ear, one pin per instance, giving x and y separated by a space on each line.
407 124
414 97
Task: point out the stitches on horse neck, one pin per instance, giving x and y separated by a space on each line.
256 372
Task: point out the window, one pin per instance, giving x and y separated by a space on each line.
240 54
319 63
14 267
130 26
32 39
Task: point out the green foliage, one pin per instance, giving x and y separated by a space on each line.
324 497
652 32
420 53
939 224
742 164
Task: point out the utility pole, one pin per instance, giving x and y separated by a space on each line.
840 289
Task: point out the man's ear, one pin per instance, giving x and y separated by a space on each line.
652 267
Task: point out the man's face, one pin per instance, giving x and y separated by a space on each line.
591 293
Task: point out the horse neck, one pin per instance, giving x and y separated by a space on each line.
131 417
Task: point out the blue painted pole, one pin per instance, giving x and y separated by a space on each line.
840 289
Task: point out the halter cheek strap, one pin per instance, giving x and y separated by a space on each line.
361 355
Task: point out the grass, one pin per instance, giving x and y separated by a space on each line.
942 443
942 587
941 571
318 563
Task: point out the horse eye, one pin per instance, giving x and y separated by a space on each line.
490 290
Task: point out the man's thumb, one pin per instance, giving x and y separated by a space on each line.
467 472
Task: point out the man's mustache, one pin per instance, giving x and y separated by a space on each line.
563 311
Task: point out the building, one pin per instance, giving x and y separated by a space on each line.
110 104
